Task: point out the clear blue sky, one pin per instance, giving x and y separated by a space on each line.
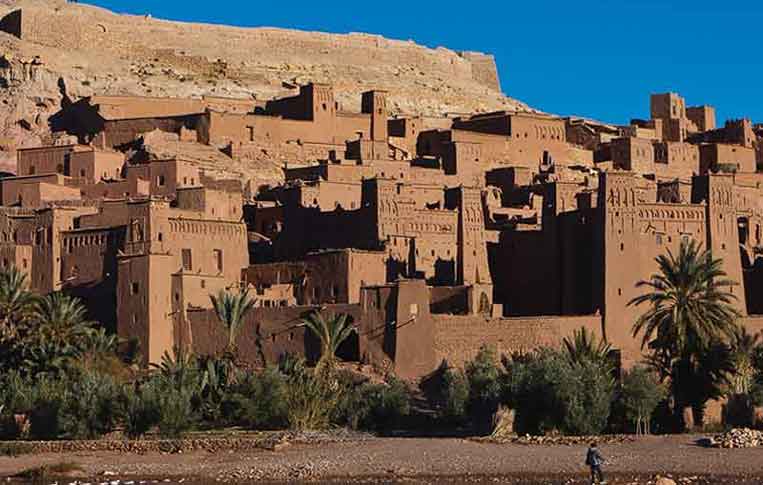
593 58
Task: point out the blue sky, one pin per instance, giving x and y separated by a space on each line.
593 58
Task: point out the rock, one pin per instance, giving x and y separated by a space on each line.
664 481
739 438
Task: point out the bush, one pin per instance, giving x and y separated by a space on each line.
175 412
139 409
549 392
17 396
531 383
455 395
588 392
640 395
45 416
90 409
380 406
739 411
484 377
756 393
258 401
311 398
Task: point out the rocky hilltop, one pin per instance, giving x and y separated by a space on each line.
54 50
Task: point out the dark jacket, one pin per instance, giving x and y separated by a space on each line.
593 457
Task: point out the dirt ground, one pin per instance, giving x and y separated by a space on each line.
418 460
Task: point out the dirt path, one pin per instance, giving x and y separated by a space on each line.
415 457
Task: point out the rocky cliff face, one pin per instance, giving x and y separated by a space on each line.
53 49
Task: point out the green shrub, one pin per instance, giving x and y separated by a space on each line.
258 401
532 382
381 406
549 392
175 412
484 377
454 395
588 392
756 393
45 416
139 409
640 395
17 395
311 398
90 410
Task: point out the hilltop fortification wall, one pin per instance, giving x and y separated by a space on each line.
75 27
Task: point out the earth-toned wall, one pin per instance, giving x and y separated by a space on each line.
459 338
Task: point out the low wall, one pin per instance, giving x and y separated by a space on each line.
459 338
265 336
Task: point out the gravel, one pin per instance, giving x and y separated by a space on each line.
343 457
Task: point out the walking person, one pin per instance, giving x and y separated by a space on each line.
594 460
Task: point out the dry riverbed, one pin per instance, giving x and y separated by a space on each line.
362 459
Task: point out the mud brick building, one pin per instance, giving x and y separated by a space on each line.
435 235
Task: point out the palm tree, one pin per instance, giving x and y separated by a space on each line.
743 348
62 320
16 302
98 352
690 315
689 305
584 347
231 308
331 333
179 370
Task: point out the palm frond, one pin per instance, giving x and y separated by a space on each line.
231 309
331 333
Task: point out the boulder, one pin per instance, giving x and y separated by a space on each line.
664 481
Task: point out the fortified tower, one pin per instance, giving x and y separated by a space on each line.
723 235
472 253
375 104
620 258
